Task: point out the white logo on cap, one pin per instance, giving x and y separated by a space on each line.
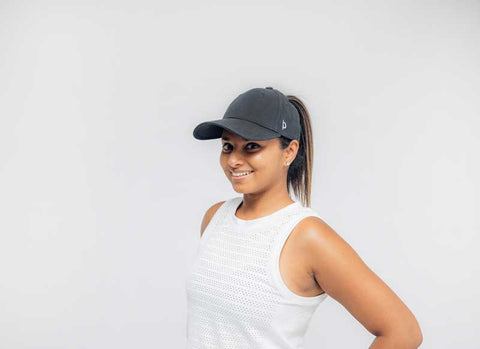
284 125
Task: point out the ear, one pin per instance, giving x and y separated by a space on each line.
291 151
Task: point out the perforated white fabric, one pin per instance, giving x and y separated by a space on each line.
236 298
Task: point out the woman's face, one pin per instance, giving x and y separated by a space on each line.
265 160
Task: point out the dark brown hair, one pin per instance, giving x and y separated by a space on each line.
299 176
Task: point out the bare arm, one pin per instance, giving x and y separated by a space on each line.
343 275
390 342
208 216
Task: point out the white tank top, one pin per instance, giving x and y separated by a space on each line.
236 297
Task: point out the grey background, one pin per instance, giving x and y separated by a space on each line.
103 187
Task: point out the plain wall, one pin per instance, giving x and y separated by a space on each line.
103 187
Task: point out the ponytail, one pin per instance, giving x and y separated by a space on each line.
299 176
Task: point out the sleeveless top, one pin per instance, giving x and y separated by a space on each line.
236 297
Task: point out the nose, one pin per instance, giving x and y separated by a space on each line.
234 159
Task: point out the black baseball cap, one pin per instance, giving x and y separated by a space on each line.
257 114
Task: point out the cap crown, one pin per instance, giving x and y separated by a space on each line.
266 107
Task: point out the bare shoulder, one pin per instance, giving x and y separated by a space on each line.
208 216
344 276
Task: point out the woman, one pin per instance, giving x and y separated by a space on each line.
266 261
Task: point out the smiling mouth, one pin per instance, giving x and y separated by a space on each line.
242 176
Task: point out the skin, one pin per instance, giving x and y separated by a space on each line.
316 259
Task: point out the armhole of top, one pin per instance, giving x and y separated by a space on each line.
275 262
213 221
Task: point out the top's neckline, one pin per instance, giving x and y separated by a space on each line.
241 221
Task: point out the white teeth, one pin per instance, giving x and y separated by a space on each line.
241 174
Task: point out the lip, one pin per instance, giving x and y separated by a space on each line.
231 171
240 178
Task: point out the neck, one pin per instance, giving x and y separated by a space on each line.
260 204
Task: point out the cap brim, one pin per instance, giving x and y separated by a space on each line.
246 129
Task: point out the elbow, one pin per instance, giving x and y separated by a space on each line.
412 338
409 337
418 338
415 333
396 340
411 332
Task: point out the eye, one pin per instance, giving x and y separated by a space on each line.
249 146
254 146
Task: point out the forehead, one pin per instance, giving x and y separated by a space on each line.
231 136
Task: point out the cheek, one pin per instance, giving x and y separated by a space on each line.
259 162
264 163
223 159
258 158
